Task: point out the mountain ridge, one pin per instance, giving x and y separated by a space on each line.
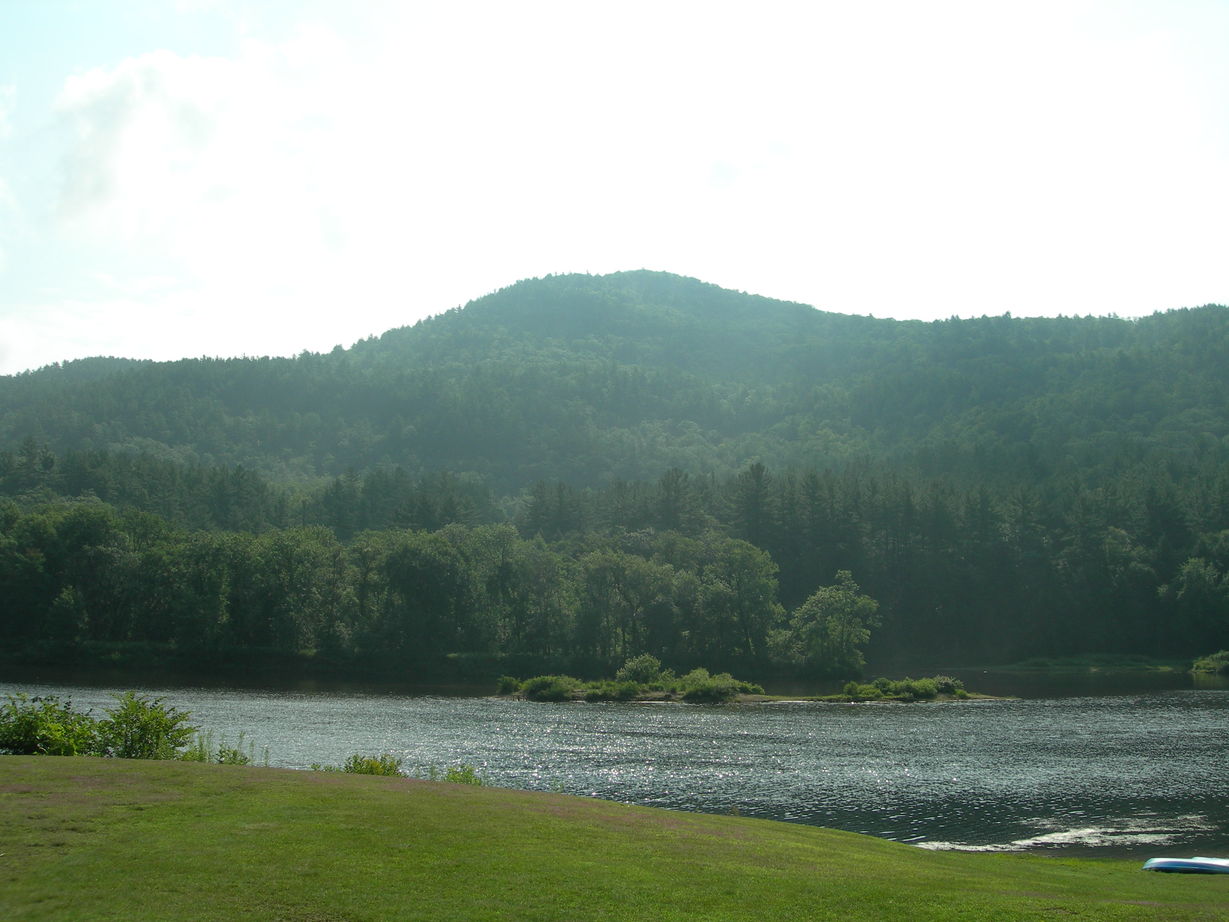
593 378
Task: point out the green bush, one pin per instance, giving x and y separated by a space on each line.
1217 663
201 749
233 755
905 689
136 728
45 726
643 670
697 676
507 685
463 774
550 688
948 685
912 689
143 728
865 692
697 685
358 764
608 690
700 687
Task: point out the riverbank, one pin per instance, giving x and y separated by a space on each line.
106 839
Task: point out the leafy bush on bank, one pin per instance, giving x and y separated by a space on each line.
906 689
135 728
1216 664
45 726
612 690
384 764
550 688
462 774
202 749
640 677
147 728
389 765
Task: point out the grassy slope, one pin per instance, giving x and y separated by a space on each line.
109 839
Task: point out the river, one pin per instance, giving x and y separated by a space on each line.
1143 773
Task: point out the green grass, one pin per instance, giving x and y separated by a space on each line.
85 838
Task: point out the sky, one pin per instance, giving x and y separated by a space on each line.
181 178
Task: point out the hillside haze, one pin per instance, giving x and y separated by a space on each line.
588 379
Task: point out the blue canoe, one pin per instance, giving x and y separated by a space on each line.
1188 865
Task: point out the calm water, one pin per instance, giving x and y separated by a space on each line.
1141 774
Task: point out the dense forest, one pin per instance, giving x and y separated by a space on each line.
579 469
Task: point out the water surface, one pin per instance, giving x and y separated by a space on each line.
1145 773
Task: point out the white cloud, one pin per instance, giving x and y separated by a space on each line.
218 170
363 170
8 104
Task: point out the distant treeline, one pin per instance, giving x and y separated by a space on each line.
691 569
83 580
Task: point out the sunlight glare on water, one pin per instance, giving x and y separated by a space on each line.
1107 773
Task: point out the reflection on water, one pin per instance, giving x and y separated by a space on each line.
1113 773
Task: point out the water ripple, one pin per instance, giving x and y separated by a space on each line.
1106 773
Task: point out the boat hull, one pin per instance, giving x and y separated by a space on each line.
1188 865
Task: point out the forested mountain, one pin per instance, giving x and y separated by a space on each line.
601 466
588 379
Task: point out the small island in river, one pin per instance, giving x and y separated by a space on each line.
644 679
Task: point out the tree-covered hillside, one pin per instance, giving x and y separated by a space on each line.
596 467
590 379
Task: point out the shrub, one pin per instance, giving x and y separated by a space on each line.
612 691
643 670
233 755
44 726
463 774
1217 663
906 689
699 686
507 685
912 689
143 728
948 685
697 676
550 688
201 749
385 764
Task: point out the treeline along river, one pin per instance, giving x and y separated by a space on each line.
1144 773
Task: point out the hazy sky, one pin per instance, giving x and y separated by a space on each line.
216 177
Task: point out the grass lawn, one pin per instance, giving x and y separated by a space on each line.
84 838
